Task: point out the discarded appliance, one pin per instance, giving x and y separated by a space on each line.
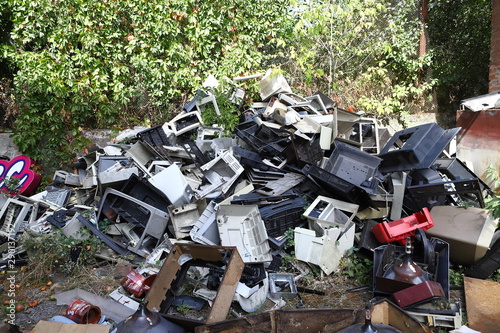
272 85
489 263
452 192
243 227
330 212
174 269
12 215
415 148
469 231
432 254
399 230
145 223
172 182
323 246
354 166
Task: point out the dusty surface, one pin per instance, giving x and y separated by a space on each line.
337 289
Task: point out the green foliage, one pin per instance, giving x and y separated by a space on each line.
353 266
457 276
493 177
183 309
363 52
493 203
53 251
457 30
12 185
82 64
229 114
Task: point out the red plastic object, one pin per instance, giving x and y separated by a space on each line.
422 292
398 230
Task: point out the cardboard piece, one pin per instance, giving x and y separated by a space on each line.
483 304
56 327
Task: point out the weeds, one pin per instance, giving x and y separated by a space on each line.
49 253
357 268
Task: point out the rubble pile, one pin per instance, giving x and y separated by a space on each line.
192 205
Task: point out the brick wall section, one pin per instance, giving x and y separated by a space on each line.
494 76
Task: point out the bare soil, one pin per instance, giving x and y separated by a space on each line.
340 292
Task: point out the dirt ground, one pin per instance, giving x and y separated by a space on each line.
336 291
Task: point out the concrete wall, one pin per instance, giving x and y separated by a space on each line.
7 146
478 141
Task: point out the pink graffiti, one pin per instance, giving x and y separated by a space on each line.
19 167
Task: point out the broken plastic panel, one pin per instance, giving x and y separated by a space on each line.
280 217
223 171
12 215
209 133
66 178
398 230
455 169
337 186
323 247
415 148
280 283
426 291
452 192
255 198
320 102
183 123
278 187
271 85
203 103
172 182
263 139
155 136
184 217
205 230
142 154
398 180
58 196
251 159
366 132
142 190
243 227
305 151
173 272
330 212
355 166
115 179
148 220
